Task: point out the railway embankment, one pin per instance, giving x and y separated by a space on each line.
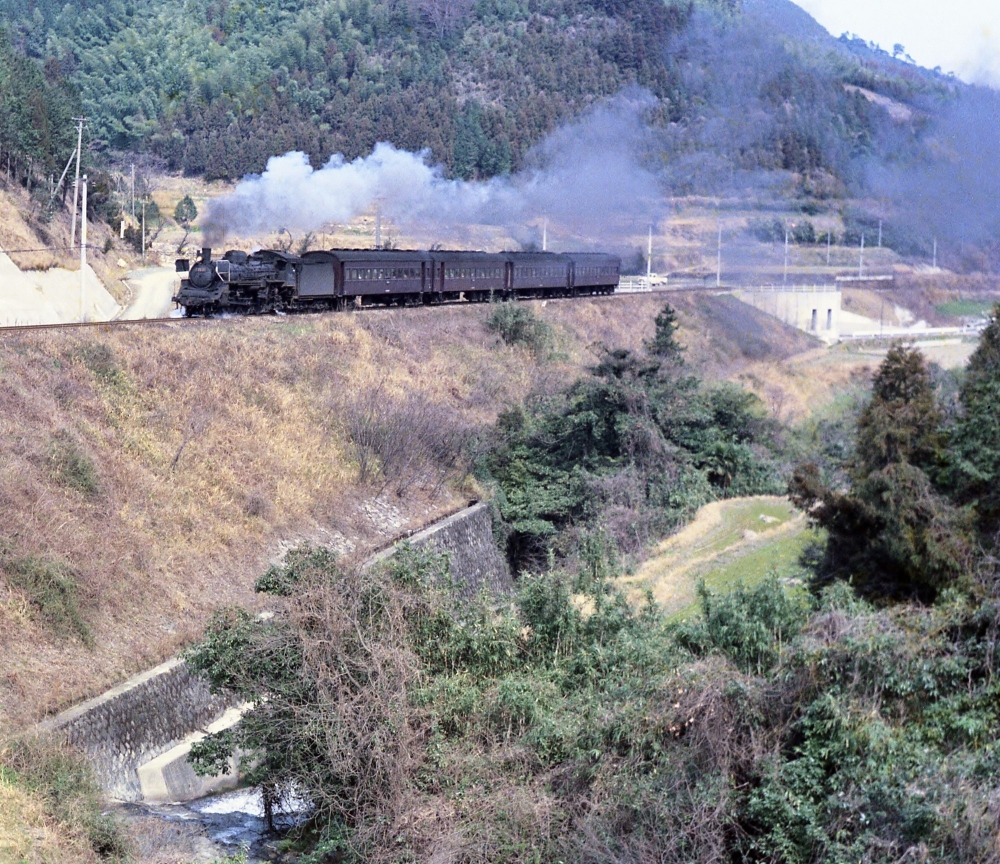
149 473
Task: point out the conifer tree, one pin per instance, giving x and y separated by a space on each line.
977 436
892 534
664 343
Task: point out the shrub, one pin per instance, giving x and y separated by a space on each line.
516 324
748 625
405 442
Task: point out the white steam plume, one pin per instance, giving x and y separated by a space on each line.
589 177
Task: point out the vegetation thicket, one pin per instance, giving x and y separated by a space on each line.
919 508
631 450
569 723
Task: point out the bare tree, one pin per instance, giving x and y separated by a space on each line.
441 16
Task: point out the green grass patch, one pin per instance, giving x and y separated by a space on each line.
756 515
51 590
71 466
65 783
966 308
779 559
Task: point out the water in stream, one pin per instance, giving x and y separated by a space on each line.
210 828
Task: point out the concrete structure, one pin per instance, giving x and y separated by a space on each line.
816 310
51 296
138 735
137 721
473 556
170 777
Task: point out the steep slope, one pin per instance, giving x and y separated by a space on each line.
148 474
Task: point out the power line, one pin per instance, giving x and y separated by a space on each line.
75 247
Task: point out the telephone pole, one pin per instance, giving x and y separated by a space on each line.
649 259
76 182
718 261
83 252
785 278
861 257
545 234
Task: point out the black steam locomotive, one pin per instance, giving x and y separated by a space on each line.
270 281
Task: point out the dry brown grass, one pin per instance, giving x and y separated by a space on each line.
21 227
29 836
216 444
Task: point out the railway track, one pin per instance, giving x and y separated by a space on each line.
78 325
138 322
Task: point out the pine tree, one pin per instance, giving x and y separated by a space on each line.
664 343
977 436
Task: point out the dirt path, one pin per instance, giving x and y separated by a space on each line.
727 541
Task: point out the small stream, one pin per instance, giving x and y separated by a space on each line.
211 828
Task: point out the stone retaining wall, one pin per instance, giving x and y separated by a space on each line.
467 537
136 722
153 713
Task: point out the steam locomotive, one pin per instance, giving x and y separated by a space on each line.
269 280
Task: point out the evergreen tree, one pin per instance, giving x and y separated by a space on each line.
892 534
977 435
664 343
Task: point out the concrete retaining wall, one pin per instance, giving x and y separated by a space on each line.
467 537
137 721
814 310
137 735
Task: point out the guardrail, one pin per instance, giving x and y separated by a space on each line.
930 332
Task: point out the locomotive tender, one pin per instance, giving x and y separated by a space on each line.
269 281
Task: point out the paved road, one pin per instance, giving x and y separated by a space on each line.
153 289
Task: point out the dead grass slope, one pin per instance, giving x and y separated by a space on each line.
24 226
159 468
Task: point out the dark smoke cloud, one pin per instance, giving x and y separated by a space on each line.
591 179
949 187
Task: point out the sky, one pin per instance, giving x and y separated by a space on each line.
960 36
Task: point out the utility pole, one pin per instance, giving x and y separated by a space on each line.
718 260
545 234
785 279
649 259
83 252
879 233
143 230
829 241
378 227
133 190
76 183
861 257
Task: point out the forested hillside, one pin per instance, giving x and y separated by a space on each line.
217 88
37 105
